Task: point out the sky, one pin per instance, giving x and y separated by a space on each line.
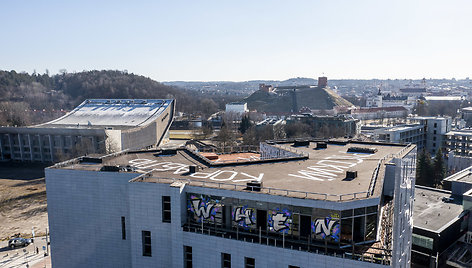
240 40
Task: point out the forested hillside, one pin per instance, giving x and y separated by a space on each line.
34 98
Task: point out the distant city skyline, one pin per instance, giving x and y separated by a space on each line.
240 41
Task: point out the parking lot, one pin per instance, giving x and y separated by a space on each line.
25 256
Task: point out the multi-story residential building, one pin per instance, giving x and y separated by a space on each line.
413 133
436 128
459 142
303 204
466 114
95 126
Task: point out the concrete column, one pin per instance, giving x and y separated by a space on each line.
51 147
41 147
30 147
11 147
21 146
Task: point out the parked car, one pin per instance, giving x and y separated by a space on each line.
19 242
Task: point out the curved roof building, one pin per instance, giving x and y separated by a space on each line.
95 126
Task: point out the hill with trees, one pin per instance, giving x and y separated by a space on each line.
34 98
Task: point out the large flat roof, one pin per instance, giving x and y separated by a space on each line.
430 212
303 171
119 113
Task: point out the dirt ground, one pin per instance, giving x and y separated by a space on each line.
23 204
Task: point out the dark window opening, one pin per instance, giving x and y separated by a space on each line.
359 229
305 226
293 266
187 257
225 260
123 228
261 219
147 251
249 262
166 211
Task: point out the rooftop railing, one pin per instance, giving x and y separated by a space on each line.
264 190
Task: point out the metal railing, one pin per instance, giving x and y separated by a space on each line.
264 190
348 251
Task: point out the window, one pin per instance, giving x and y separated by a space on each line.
249 262
187 257
434 138
435 125
434 144
123 228
166 209
293 266
147 251
434 132
225 260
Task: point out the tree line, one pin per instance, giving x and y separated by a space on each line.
21 93
430 172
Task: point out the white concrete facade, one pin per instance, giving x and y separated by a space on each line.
95 126
237 108
86 208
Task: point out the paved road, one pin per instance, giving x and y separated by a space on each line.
24 257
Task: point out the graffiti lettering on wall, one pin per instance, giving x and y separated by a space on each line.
327 227
203 207
178 168
280 220
329 168
244 216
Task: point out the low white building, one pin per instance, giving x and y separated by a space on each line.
237 107
95 126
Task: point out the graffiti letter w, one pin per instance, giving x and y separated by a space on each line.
200 211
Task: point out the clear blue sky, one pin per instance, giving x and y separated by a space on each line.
240 40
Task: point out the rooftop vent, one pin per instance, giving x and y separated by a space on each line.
111 168
254 186
301 143
192 169
362 150
169 152
321 145
351 174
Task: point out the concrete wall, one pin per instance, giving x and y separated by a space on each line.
151 134
84 211
405 172
168 239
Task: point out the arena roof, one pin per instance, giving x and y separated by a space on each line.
304 171
119 113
